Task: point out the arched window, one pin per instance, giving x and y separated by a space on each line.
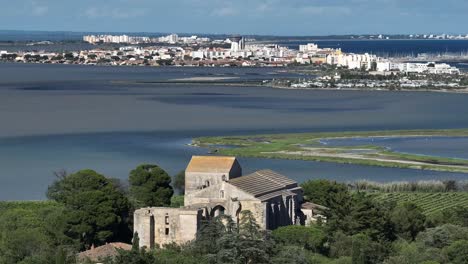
221 194
207 183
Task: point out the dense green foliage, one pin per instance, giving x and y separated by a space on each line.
96 210
150 186
177 201
361 228
311 238
30 233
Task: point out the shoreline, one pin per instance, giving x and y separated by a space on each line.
307 147
253 83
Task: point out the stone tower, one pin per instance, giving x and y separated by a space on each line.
205 171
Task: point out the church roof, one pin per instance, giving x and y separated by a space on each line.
263 184
216 164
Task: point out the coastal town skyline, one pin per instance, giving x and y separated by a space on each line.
272 17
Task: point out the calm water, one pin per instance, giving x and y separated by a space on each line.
74 117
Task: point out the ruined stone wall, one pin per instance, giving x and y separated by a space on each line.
163 226
142 225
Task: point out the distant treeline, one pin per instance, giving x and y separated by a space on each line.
405 186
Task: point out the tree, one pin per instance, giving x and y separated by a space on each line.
442 236
366 251
177 201
340 245
319 191
179 182
371 218
150 186
338 213
311 238
456 215
406 252
27 234
408 220
95 212
457 253
290 255
69 56
252 244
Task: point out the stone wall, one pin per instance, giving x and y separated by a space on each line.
195 181
163 226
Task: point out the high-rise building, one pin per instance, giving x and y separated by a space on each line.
237 43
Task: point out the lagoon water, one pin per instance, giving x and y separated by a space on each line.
69 117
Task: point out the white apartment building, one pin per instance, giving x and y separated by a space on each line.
430 67
308 48
352 61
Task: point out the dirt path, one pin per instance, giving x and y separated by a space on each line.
320 152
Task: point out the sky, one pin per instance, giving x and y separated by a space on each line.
261 17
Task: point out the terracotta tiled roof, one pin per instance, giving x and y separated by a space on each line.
263 182
99 253
211 164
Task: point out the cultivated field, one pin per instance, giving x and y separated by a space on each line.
430 203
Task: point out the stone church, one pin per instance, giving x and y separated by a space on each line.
215 185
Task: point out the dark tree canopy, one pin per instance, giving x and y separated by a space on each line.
308 237
150 186
96 211
319 191
408 220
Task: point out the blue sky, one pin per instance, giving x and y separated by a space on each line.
266 17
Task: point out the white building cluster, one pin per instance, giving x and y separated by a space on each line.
352 61
171 39
238 50
311 53
93 39
430 67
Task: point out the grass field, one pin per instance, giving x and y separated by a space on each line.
307 146
430 203
32 206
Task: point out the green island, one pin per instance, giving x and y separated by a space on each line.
308 147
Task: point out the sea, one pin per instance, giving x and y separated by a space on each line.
110 119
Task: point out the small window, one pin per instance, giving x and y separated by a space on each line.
167 219
167 231
207 183
221 194
224 178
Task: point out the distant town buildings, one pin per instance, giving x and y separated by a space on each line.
232 51
430 67
170 39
